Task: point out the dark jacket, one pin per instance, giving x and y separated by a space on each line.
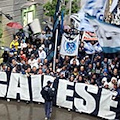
47 93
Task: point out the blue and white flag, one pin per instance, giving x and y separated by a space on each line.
84 24
76 20
89 36
97 47
95 8
80 21
88 47
69 47
108 35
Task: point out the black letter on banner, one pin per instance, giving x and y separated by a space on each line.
117 110
18 94
55 86
30 87
42 80
8 73
69 98
97 99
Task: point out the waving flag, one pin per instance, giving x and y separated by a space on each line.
56 20
108 35
91 49
89 36
88 47
81 23
56 15
69 47
97 47
84 23
62 22
95 8
76 19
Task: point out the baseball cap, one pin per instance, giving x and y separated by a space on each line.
49 82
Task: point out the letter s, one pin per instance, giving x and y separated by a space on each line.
90 105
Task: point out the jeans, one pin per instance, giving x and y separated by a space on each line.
48 109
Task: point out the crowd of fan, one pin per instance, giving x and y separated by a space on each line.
114 17
31 59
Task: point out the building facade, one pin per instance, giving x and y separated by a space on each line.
22 11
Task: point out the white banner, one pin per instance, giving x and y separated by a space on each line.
63 92
76 96
36 85
69 47
3 87
3 77
86 98
18 84
106 103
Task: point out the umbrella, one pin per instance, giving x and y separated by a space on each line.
14 25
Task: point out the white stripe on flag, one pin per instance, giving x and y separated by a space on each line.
95 8
97 47
108 35
88 47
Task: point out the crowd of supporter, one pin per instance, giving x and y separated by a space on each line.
114 16
37 59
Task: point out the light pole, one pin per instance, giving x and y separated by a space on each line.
110 2
70 7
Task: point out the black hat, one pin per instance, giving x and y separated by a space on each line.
49 82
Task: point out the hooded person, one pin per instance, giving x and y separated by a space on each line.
106 85
104 79
112 82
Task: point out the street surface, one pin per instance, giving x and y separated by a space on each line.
21 111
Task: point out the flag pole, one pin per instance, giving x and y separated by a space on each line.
58 9
55 52
83 36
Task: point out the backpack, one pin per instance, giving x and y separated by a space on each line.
48 93
51 92
43 93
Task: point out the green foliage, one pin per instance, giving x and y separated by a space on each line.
75 7
66 1
49 8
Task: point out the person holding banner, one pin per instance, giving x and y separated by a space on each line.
48 94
